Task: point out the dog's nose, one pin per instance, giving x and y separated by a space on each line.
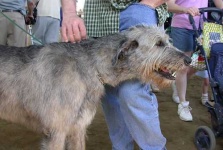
187 60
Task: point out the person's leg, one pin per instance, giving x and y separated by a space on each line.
53 30
181 84
204 95
17 37
39 30
183 40
4 30
118 132
181 80
205 86
139 107
175 96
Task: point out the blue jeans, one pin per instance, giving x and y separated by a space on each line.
131 112
46 29
137 14
131 109
183 39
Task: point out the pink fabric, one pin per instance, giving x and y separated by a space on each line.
181 20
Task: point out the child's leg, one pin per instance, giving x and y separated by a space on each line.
205 86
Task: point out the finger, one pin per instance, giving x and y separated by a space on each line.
77 37
198 12
191 12
83 32
64 33
70 33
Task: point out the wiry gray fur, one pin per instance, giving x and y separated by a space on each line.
55 89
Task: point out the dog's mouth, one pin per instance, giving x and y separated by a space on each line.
166 73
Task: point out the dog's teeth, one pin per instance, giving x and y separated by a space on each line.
174 74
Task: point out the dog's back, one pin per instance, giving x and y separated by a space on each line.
38 80
53 87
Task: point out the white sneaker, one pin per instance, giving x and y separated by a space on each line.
184 111
175 97
204 99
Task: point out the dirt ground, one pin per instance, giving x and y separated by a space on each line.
179 134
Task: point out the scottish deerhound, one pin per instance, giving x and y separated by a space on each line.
55 89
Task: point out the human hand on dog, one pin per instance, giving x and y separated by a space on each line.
73 28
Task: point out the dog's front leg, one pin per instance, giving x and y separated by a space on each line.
76 139
54 141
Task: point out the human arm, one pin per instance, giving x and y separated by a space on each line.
218 3
174 8
122 4
153 3
29 18
30 7
73 27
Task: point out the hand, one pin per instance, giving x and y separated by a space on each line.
73 28
30 20
193 11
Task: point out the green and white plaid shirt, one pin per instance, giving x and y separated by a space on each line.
102 16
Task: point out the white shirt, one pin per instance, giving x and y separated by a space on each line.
49 8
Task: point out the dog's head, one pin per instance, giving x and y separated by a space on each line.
148 53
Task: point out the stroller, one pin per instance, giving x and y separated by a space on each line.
204 136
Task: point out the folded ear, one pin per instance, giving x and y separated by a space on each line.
124 50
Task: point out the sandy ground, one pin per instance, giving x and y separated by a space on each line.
179 134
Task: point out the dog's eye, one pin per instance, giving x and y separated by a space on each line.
159 43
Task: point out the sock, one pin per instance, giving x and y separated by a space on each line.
204 94
185 103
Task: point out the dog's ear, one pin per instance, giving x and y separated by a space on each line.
125 48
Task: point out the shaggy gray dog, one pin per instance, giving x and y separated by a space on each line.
55 89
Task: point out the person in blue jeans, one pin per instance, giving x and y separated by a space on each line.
131 109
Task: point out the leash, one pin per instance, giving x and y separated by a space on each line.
29 33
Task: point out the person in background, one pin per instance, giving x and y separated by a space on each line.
183 37
47 26
131 109
15 10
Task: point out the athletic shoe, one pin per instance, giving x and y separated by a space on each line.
184 111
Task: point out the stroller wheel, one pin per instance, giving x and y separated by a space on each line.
205 138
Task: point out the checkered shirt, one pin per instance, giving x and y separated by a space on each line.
102 16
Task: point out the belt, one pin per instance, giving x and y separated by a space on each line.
10 10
